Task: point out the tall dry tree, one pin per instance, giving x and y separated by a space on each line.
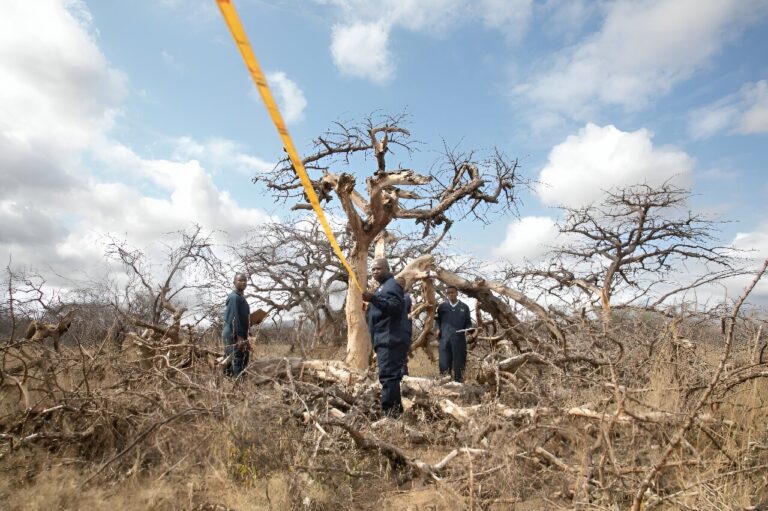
293 268
633 241
190 265
460 186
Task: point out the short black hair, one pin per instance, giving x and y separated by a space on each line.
383 264
452 287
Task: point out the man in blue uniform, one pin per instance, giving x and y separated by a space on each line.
385 323
407 321
451 317
235 332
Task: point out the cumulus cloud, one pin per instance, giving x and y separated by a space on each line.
641 50
360 41
528 238
599 158
755 241
361 50
60 98
218 154
290 97
745 112
57 87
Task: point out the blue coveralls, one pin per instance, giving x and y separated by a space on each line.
385 323
236 317
453 345
408 327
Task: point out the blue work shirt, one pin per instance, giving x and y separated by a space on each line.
236 317
451 318
385 315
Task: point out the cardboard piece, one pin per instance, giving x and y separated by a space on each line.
257 317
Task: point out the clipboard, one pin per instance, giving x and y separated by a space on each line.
256 317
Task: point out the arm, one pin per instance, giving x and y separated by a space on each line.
243 311
467 319
389 300
229 320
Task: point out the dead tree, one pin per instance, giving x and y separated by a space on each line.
190 266
293 268
632 241
488 294
462 185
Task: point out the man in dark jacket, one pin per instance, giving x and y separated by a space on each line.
385 323
235 332
453 316
407 321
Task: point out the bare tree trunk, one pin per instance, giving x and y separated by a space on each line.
358 338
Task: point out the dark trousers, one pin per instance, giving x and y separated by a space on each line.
453 356
391 359
239 360
405 359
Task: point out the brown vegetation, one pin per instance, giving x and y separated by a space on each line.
667 411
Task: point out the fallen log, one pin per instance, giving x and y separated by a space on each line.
467 414
39 330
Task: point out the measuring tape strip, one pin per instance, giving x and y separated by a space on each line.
238 34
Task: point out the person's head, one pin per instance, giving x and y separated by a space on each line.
452 293
240 282
380 270
400 281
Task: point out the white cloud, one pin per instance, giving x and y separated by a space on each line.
745 112
290 97
360 50
434 16
189 196
528 238
642 50
598 158
755 118
59 100
219 154
57 88
707 121
360 41
756 241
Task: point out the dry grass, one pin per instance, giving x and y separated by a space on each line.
105 430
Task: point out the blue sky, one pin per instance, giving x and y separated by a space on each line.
138 118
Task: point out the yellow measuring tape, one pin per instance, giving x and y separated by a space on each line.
238 34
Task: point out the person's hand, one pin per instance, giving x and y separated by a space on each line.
367 295
242 344
437 333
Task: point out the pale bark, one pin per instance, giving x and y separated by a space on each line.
358 338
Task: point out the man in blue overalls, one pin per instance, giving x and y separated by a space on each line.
386 309
407 321
453 316
235 332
